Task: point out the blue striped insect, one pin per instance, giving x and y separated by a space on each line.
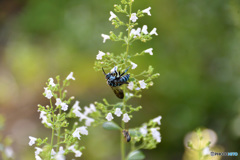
115 80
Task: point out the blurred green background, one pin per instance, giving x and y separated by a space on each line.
197 54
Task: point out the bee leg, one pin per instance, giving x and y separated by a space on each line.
103 71
124 71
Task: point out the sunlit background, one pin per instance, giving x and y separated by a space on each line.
197 54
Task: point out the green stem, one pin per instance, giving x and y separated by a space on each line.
52 126
122 143
124 88
59 129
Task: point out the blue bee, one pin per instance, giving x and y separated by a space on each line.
116 79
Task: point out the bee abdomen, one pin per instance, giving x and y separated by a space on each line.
124 78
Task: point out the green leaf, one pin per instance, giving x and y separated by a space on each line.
135 155
111 126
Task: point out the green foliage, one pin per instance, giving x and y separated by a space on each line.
137 81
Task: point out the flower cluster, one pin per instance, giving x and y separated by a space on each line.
148 134
106 112
55 116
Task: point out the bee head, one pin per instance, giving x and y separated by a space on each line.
108 76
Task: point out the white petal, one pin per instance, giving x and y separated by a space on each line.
142 84
154 31
149 51
133 17
144 130
109 116
64 106
51 82
58 102
105 37
76 106
134 65
32 140
38 150
100 54
125 118
118 112
70 76
130 86
157 120
147 10
112 16
144 29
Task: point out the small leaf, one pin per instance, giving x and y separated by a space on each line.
135 155
111 126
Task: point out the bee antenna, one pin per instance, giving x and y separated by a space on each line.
103 71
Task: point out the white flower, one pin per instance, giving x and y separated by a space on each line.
112 16
206 151
32 140
144 29
147 10
79 130
133 17
83 130
58 102
157 120
92 107
70 76
51 82
100 54
61 151
44 120
156 134
105 37
88 121
48 93
135 32
142 84
134 65
76 106
42 114
149 51
138 88
130 85
109 116
77 153
38 150
38 158
118 112
87 111
154 31
9 152
53 152
64 106
59 155
81 116
125 118
78 114
132 32
144 130
76 134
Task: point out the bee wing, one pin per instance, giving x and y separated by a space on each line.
118 92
